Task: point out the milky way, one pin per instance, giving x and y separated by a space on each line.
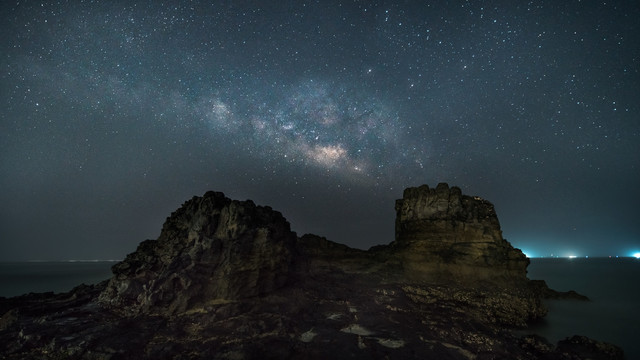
113 113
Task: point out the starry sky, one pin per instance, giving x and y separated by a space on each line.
113 113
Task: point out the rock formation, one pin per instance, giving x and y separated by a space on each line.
211 248
443 234
228 279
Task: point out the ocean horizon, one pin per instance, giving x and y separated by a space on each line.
39 276
611 315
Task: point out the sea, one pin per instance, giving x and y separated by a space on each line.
18 278
613 312
612 285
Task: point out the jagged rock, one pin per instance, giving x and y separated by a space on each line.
211 248
442 234
228 279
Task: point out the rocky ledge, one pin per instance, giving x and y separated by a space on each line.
228 279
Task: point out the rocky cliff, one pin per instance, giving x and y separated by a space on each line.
210 248
228 279
443 234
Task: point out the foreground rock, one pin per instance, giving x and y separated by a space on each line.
210 248
229 280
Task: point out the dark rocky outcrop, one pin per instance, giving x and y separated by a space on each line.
228 279
211 248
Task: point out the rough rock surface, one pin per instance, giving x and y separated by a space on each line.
441 232
210 248
229 280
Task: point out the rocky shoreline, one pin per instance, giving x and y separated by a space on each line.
228 279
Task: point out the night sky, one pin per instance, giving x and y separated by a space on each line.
112 114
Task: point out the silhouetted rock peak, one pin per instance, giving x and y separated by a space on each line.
441 232
211 248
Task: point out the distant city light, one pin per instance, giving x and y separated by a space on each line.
572 256
636 255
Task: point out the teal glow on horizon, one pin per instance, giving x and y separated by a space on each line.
528 253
